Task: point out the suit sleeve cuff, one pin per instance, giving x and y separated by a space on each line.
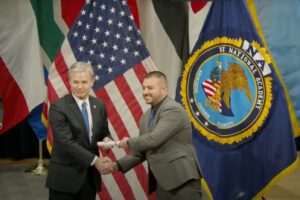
93 162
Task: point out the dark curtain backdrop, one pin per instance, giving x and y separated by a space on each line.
21 142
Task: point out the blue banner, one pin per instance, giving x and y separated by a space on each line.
242 130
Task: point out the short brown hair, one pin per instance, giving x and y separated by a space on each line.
157 74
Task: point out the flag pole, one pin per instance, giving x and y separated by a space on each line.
41 168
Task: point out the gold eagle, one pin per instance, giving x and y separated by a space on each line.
234 78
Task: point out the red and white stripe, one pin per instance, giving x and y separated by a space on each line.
210 90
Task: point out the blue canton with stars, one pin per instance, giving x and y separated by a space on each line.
105 35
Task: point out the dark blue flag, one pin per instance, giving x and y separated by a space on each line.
241 125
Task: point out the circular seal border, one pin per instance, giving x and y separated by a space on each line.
254 125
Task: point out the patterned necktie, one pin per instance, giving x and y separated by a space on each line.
86 118
151 117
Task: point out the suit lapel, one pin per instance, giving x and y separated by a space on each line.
77 113
154 120
94 114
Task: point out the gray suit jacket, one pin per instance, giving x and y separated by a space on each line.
72 153
166 145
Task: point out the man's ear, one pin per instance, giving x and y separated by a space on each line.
164 89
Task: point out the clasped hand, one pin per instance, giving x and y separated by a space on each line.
105 165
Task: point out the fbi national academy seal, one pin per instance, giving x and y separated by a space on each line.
226 89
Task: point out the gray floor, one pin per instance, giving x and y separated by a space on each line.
15 184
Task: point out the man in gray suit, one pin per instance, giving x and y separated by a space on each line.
78 122
165 141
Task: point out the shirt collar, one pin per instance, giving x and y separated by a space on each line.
156 107
80 101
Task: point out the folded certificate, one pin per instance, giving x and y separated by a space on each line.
105 144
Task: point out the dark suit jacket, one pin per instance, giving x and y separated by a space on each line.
72 153
166 145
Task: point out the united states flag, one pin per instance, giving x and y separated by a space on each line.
106 36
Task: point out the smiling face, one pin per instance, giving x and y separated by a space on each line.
81 83
154 90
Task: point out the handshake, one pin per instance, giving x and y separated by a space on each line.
104 164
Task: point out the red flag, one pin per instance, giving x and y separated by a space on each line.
21 71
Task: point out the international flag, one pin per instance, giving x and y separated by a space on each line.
241 155
165 24
105 35
22 84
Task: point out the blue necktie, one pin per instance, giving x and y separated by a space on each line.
151 117
86 118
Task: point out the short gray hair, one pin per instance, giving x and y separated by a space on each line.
80 67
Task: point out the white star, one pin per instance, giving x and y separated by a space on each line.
99 66
122 13
197 113
124 2
75 34
130 28
138 42
112 10
107 33
103 7
123 62
79 23
94 4
104 44
100 18
110 70
91 52
112 58
125 50
87 26
81 48
117 36
192 100
96 77
84 37
102 55
83 12
91 15
97 30
120 25
128 39
136 53
94 41
115 47
206 123
110 22
131 17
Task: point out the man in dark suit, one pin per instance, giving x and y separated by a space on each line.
165 141
78 121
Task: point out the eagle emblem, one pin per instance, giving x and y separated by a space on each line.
220 85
